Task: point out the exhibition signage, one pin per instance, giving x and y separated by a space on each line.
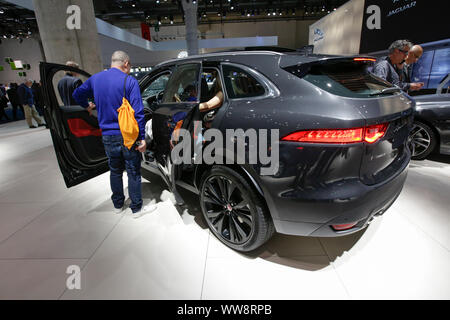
385 21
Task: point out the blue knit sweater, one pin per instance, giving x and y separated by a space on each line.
106 88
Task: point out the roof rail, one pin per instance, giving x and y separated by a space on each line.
259 48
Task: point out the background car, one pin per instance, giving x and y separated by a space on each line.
431 129
343 152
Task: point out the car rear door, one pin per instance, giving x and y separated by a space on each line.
76 135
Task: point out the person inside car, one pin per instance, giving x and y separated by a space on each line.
216 101
192 93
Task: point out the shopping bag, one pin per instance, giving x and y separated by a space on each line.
127 122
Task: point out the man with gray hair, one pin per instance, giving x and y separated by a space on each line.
108 88
68 84
386 67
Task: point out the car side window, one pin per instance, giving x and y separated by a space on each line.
156 86
183 84
240 84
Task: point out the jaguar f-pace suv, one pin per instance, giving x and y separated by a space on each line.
342 144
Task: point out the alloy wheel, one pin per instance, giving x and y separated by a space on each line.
228 209
420 140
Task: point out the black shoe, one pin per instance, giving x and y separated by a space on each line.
33 127
41 125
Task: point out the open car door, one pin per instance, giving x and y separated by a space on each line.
176 110
76 135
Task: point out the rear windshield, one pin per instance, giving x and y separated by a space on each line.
344 78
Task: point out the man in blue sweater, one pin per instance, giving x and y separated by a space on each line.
107 89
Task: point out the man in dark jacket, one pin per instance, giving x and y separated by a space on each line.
27 100
38 97
14 99
386 67
68 84
3 105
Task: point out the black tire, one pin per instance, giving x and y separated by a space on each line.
231 204
422 140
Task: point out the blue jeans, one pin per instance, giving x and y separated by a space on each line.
119 159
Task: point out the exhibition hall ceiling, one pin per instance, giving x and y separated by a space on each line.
166 12
17 22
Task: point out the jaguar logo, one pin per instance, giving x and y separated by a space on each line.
318 35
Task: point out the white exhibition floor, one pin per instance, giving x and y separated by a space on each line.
167 254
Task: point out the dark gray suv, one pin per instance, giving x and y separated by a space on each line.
342 144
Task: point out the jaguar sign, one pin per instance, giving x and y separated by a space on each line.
318 35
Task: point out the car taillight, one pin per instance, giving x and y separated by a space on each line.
369 134
374 133
327 136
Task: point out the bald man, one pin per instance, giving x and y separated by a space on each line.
405 68
108 88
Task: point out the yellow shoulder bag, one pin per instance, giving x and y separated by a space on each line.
127 122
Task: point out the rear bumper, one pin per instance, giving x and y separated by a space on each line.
360 203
